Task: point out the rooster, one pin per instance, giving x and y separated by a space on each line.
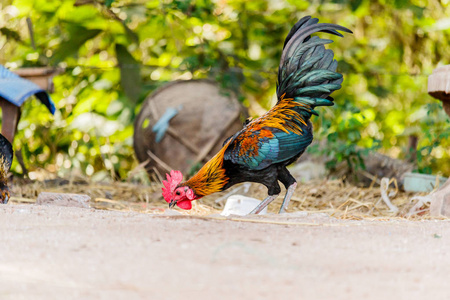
262 150
6 157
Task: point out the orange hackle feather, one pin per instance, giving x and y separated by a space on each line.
211 178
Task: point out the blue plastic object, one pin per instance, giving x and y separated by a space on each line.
162 124
16 90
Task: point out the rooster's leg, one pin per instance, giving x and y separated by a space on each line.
263 204
289 183
287 197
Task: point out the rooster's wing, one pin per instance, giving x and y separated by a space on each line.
257 149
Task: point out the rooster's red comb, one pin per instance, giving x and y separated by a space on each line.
170 184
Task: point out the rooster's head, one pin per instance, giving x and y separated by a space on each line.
176 193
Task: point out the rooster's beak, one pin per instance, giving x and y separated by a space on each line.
172 203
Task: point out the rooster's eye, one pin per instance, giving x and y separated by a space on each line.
178 193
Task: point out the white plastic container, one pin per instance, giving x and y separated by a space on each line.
241 206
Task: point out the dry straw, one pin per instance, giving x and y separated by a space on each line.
333 197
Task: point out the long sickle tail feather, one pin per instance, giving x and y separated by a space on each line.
307 72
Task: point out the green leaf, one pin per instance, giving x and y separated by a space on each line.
10 34
108 3
78 36
354 4
380 91
332 137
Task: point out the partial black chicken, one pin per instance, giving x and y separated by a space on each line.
6 157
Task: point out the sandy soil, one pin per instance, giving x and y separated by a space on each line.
69 253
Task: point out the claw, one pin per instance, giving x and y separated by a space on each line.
5 201
4 197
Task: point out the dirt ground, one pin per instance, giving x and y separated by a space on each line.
50 252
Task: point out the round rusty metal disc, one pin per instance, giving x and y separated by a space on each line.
208 116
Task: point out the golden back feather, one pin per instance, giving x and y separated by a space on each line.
281 116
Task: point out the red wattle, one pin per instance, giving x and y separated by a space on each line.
185 204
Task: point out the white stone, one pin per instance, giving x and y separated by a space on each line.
63 199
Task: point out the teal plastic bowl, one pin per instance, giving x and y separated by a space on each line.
416 182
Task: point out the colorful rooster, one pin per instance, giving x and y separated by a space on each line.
6 157
262 150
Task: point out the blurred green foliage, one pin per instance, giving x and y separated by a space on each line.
115 52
